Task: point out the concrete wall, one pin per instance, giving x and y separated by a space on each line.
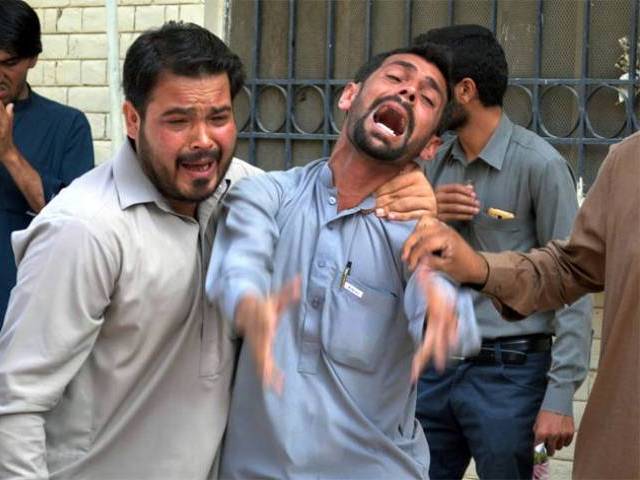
72 68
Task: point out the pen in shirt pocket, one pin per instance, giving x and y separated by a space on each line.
500 214
345 274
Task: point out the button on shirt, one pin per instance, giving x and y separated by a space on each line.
517 171
112 362
347 407
56 141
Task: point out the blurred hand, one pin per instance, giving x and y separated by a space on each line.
6 131
257 320
554 429
407 196
456 202
440 247
441 333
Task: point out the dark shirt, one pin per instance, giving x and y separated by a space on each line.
56 141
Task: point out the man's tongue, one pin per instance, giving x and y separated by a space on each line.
389 120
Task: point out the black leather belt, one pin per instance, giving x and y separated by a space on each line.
510 350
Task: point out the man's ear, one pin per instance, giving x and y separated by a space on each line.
32 61
349 93
430 149
465 90
132 119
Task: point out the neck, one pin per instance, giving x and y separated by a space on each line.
477 132
24 92
187 209
355 175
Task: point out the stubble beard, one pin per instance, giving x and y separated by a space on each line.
161 179
363 141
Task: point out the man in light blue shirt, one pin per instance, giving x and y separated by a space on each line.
338 365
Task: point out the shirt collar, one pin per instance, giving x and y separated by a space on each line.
134 187
132 184
326 178
495 150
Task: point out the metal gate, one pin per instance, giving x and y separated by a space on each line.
566 59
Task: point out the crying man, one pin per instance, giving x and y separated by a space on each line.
332 319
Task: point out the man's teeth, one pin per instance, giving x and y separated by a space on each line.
385 128
198 168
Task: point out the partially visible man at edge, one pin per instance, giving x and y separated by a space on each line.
43 145
112 362
518 391
601 253
344 405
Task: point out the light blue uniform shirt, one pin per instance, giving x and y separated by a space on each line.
347 407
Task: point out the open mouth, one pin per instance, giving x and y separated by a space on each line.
391 119
197 167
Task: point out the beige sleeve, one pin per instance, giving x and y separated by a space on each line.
65 279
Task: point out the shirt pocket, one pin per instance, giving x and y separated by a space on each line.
490 232
356 326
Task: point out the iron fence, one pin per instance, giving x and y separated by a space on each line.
562 53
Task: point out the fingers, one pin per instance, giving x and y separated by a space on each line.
421 246
456 188
257 319
410 175
288 294
550 445
441 332
409 208
271 375
412 215
555 430
409 202
427 228
456 202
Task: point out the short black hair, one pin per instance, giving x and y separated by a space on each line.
19 29
432 53
476 55
184 49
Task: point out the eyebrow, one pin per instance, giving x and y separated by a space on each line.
187 111
428 79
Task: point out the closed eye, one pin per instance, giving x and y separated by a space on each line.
219 119
393 78
177 121
428 100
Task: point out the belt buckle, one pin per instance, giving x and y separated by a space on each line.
513 357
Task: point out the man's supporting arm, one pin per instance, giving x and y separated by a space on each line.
239 274
65 279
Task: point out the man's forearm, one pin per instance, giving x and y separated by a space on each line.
26 178
533 282
570 355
